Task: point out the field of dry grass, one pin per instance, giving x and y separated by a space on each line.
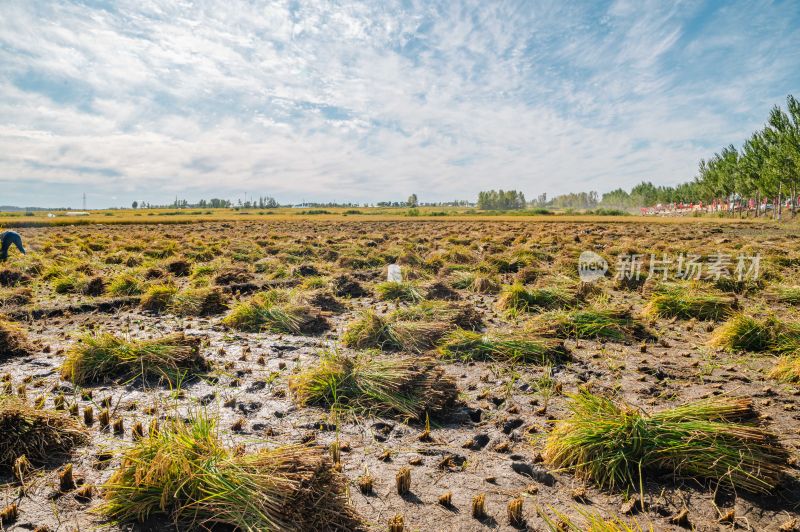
328 214
257 371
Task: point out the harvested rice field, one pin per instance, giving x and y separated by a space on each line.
267 375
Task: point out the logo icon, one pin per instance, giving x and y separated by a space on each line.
591 266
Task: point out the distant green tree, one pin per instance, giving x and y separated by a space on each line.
575 200
618 198
501 200
766 166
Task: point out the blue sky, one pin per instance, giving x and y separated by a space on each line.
369 101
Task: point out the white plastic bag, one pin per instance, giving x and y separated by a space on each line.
395 274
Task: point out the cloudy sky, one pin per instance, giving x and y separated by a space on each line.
366 101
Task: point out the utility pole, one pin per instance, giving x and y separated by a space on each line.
84 201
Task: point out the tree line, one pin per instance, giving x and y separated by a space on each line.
647 194
765 168
501 200
265 202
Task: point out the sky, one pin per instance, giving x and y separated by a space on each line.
368 101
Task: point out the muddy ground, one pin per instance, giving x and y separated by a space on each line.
490 444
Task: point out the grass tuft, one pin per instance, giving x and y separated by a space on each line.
515 299
393 332
97 358
186 474
786 369
126 285
746 333
459 315
369 330
158 297
597 324
408 387
399 291
687 302
13 341
787 339
417 336
469 345
417 328
615 446
42 436
273 312
787 294
483 284
321 298
206 301
589 522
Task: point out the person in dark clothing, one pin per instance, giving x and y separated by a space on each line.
6 240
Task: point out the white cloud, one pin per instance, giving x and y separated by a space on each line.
370 101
